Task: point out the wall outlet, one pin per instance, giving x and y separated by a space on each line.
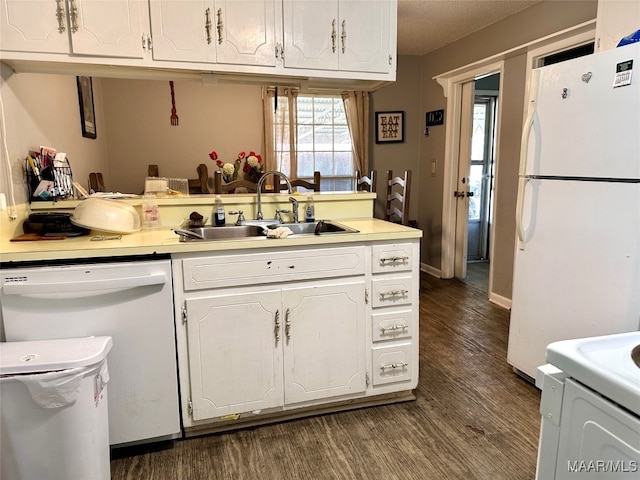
433 168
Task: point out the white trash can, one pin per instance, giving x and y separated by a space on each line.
53 402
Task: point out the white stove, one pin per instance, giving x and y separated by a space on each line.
590 409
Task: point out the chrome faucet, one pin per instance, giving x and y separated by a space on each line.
294 207
259 191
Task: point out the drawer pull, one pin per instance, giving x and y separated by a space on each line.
393 328
393 293
393 366
394 259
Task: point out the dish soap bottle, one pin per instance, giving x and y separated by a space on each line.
309 213
218 212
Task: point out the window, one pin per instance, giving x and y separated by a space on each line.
323 142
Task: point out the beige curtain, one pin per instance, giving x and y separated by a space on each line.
356 106
280 114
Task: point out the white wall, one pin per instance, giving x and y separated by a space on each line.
43 110
224 118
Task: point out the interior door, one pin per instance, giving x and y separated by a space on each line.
480 177
463 192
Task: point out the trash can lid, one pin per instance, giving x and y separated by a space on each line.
50 355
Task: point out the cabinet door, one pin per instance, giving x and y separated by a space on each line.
235 352
324 341
364 34
183 30
311 34
107 27
246 32
33 26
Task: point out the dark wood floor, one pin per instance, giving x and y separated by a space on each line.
473 417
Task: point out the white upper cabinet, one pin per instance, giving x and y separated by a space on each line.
225 31
112 28
349 35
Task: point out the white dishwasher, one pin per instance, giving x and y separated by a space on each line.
130 301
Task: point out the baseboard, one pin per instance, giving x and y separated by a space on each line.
499 300
435 272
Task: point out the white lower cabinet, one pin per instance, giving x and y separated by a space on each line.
259 349
266 333
235 362
394 316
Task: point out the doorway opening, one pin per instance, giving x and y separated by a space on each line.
477 170
481 179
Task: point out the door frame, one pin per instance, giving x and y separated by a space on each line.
452 86
451 83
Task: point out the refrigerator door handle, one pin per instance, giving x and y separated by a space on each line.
522 184
524 144
529 122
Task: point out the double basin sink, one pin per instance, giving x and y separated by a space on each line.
231 232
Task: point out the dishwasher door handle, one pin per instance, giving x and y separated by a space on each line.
119 283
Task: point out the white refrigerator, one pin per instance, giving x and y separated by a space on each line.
577 259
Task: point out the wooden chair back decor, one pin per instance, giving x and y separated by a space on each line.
196 185
398 196
366 183
96 183
220 187
313 186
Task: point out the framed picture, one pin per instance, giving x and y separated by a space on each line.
389 127
87 111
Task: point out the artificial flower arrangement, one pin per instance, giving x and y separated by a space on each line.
229 170
252 169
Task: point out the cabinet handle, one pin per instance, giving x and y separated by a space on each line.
279 51
390 60
74 16
60 16
393 366
393 328
343 36
207 24
277 325
146 43
287 324
393 293
333 36
219 26
393 259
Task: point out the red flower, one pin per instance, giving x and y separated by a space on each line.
213 155
241 155
246 168
219 163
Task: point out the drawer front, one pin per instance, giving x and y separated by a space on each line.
391 258
391 364
391 325
391 291
252 268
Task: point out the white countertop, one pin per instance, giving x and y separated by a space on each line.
164 241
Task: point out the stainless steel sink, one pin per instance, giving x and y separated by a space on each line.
231 232
317 228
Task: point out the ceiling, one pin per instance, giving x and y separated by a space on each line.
426 25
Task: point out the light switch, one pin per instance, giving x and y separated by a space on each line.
433 167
